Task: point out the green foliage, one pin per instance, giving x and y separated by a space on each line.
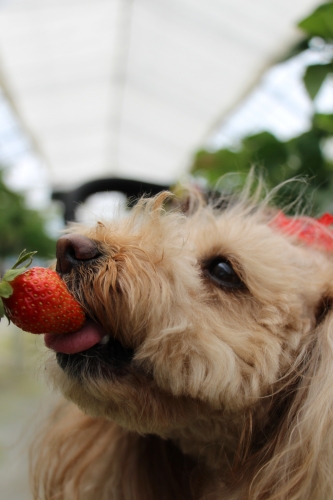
324 123
21 227
320 22
314 77
300 157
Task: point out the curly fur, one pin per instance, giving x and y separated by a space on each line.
229 394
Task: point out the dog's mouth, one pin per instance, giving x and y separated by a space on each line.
90 351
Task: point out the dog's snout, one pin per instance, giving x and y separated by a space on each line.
73 249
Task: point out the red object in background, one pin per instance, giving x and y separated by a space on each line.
315 232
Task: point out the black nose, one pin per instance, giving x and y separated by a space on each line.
73 249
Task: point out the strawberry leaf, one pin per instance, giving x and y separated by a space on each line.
5 290
24 255
13 273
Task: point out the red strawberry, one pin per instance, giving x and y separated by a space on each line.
38 301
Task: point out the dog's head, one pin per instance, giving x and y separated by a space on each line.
189 315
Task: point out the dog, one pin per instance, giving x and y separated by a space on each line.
205 368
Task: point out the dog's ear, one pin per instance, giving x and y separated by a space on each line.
301 447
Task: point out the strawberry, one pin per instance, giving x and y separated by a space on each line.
37 300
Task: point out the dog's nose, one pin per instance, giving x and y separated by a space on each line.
73 249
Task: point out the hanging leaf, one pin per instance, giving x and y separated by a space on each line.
315 76
320 22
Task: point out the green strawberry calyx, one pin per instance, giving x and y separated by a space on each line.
24 260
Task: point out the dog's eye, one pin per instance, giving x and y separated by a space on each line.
221 272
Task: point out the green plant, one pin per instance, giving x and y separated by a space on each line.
21 227
303 156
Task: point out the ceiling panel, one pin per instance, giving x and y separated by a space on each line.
132 87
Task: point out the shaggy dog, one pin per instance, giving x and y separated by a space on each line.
205 368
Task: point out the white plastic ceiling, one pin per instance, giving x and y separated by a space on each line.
132 87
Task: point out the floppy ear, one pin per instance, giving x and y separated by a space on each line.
301 447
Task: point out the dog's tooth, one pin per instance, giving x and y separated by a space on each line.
104 340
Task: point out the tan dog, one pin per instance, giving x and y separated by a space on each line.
205 370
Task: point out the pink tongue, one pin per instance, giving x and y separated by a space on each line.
70 343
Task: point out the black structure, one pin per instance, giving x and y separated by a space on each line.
132 189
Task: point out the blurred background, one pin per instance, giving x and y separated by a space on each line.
105 99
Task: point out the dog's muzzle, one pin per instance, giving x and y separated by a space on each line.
86 351
74 249
104 360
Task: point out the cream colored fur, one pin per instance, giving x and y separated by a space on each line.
230 393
